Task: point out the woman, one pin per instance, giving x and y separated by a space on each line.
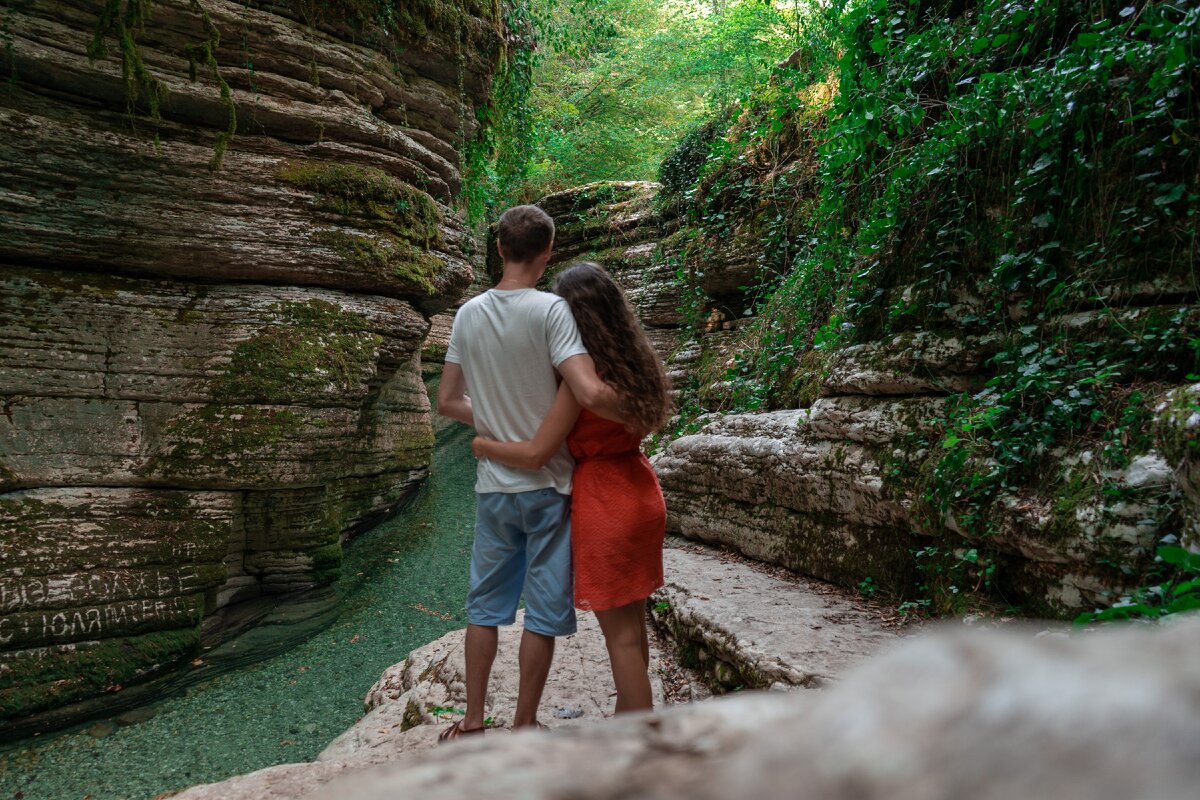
617 513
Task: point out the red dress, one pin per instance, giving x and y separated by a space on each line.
618 517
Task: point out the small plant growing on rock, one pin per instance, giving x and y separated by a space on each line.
1179 590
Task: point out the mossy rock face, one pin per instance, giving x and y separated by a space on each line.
212 436
370 194
591 219
403 222
50 533
475 22
271 380
108 586
293 414
316 345
385 257
45 678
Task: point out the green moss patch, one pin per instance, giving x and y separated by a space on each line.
403 222
384 256
316 348
326 562
370 194
221 437
41 679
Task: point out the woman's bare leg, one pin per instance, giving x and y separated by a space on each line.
625 636
645 634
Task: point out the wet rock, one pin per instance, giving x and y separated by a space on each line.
137 716
101 730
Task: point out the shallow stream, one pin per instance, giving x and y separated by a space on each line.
404 585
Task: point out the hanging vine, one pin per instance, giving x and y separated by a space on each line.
124 21
204 54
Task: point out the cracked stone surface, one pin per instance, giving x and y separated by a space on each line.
744 627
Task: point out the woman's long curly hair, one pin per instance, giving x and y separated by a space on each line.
618 345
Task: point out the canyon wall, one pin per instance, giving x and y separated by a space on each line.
223 229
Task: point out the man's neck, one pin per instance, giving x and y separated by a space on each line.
519 276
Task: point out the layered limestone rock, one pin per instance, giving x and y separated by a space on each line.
801 488
225 226
817 490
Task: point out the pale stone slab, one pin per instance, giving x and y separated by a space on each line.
418 691
751 629
817 490
909 364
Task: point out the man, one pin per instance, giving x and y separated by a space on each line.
505 348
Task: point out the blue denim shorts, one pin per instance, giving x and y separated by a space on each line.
522 547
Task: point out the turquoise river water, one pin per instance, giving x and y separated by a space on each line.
411 590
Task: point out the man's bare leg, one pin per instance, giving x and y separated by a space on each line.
480 652
537 653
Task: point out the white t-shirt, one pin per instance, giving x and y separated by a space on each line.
509 343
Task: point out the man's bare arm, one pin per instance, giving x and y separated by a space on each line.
452 395
592 393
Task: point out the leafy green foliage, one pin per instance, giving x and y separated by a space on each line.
495 161
626 79
1017 171
681 168
315 346
952 579
1178 591
204 54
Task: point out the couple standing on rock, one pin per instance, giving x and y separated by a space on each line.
538 440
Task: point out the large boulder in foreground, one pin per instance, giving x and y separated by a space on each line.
957 712
990 714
